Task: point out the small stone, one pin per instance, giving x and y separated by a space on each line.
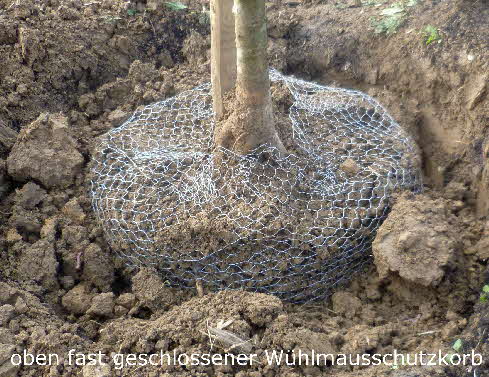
73 211
74 235
126 300
482 248
133 311
449 330
120 311
49 229
7 312
153 4
22 89
13 236
20 306
6 292
345 303
38 263
102 305
457 205
162 345
6 336
77 300
117 117
30 195
98 267
14 326
164 59
452 316
349 166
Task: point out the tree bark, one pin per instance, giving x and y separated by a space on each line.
223 53
251 123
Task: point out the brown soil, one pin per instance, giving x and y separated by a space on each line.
70 71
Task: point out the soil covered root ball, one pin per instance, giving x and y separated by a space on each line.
294 225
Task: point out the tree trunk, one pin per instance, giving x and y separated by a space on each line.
223 53
251 123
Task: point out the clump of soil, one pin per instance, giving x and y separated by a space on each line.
46 152
418 241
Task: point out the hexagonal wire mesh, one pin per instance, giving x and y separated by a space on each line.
294 226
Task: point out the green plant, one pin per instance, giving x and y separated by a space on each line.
387 25
431 35
175 5
392 17
394 9
485 293
457 346
131 12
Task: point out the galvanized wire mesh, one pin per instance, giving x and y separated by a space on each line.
292 225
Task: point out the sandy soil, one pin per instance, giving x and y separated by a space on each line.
70 71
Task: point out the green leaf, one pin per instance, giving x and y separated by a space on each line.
394 9
388 25
457 346
485 288
132 12
175 5
483 297
431 34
